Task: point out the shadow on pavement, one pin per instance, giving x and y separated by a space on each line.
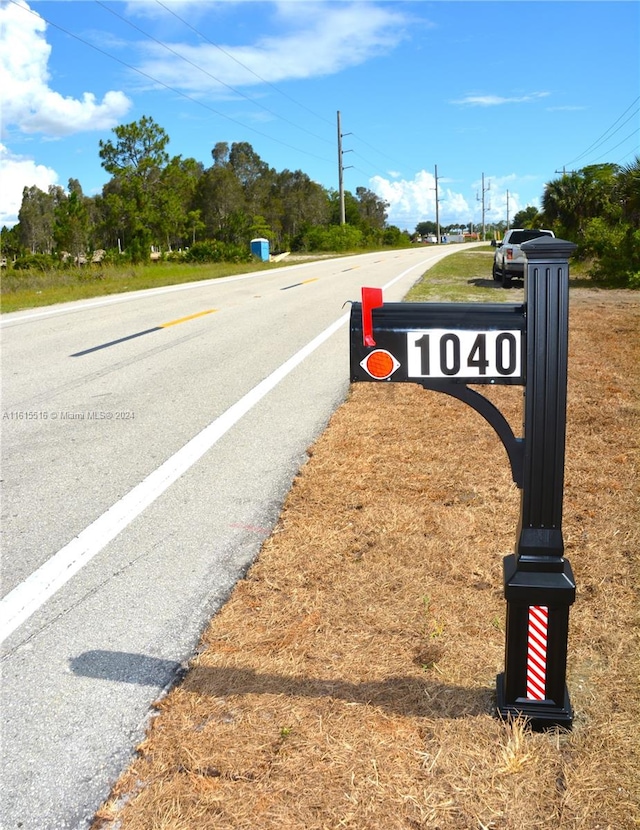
124 667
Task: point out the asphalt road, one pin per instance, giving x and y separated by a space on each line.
143 465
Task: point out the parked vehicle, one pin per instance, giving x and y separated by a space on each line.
508 260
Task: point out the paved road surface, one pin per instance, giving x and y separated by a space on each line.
143 465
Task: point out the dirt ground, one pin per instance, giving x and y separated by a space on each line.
349 681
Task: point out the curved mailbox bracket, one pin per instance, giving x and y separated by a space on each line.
483 406
444 347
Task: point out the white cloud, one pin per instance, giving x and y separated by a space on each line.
16 173
499 100
31 105
313 40
59 116
151 9
413 201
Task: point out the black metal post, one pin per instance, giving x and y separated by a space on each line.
538 582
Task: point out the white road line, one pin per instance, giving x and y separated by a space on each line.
27 597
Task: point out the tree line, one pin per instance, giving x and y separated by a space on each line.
156 202
170 204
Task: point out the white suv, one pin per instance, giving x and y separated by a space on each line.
508 260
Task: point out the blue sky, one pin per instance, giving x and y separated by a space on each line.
517 91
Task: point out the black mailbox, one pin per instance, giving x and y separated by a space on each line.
439 342
449 347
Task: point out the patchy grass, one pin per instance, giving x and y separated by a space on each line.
466 277
463 277
349 680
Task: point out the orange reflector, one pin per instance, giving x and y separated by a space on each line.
380 364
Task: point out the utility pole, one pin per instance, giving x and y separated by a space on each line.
341 169
484 190
437 211
507 210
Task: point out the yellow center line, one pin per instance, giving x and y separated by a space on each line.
306 282
190 317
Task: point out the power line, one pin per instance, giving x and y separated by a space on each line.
206 72
605 136
635 152
244 66
276 88
199 102
635 132
380 152
167 86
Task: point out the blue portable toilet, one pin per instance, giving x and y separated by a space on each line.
260 248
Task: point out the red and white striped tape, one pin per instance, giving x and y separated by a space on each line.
537 652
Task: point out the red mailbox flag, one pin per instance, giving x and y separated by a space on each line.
371 298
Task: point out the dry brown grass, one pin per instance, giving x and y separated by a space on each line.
349 680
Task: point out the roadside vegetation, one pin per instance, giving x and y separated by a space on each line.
598 208
157 210
35 288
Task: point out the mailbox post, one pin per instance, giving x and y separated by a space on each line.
538 582
447 346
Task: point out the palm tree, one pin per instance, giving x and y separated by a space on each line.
571 201
628 192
